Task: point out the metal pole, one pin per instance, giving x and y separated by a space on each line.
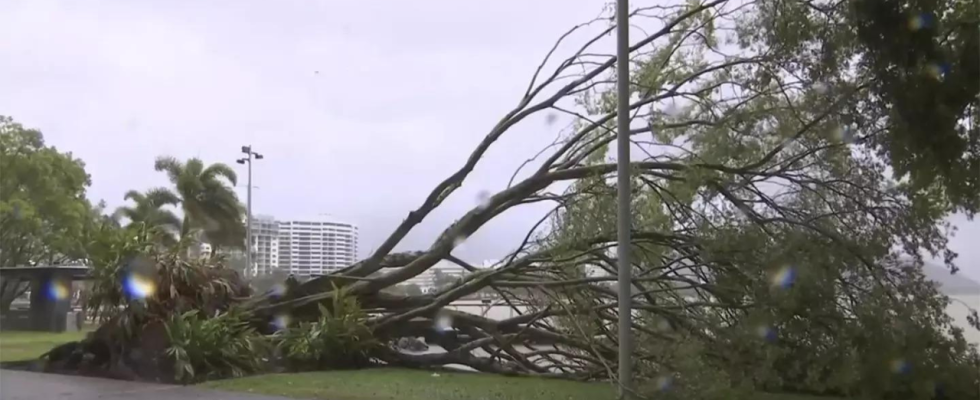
623 199
248 220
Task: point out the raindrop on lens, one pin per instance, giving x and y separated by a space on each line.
920 21
138 286
57 291
458 241
443 322
278 290
664 382
784 277
766 333
937 71
281 321
672 109
483 198
820 87
900 366
550 119
844 134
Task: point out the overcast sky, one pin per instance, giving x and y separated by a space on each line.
360 107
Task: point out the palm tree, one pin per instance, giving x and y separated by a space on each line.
210 205
148 211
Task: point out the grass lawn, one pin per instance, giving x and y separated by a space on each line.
19 346
402 384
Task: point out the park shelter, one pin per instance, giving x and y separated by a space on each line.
50 297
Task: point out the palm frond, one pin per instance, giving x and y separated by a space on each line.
171 166
162 196
214 171
134 195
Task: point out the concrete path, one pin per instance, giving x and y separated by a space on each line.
21 385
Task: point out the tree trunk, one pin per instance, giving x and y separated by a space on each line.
10 289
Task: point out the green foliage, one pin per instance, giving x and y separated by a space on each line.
778 163
924 59
110 248
919 66
203 347
149 212
44 215
209 204
124 257
683 372
43 209
340 338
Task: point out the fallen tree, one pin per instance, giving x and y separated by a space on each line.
754 165
771 246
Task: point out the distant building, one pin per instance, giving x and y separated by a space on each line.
316 247
302 246
426 280
265 245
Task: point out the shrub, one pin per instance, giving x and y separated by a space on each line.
204 348
340 338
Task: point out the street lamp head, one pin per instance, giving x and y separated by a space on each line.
240 161
246 149
258 156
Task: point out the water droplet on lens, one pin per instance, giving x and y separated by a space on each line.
278 290
138 286
664 382
844 134
937 71
784 277
672 109
483 198
57 290
458 241
443 322
900 366
766 333
550 119
281 321
920 21
820 87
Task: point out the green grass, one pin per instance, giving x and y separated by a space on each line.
20 346
402 384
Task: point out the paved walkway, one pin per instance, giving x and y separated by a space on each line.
21 385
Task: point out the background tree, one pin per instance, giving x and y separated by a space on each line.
148 211
43 209
920 61
208 202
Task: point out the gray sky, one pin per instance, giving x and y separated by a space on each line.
360 107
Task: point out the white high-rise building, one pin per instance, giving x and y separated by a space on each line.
265 245
316 247
302 246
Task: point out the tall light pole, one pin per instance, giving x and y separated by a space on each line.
249 156
623 186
